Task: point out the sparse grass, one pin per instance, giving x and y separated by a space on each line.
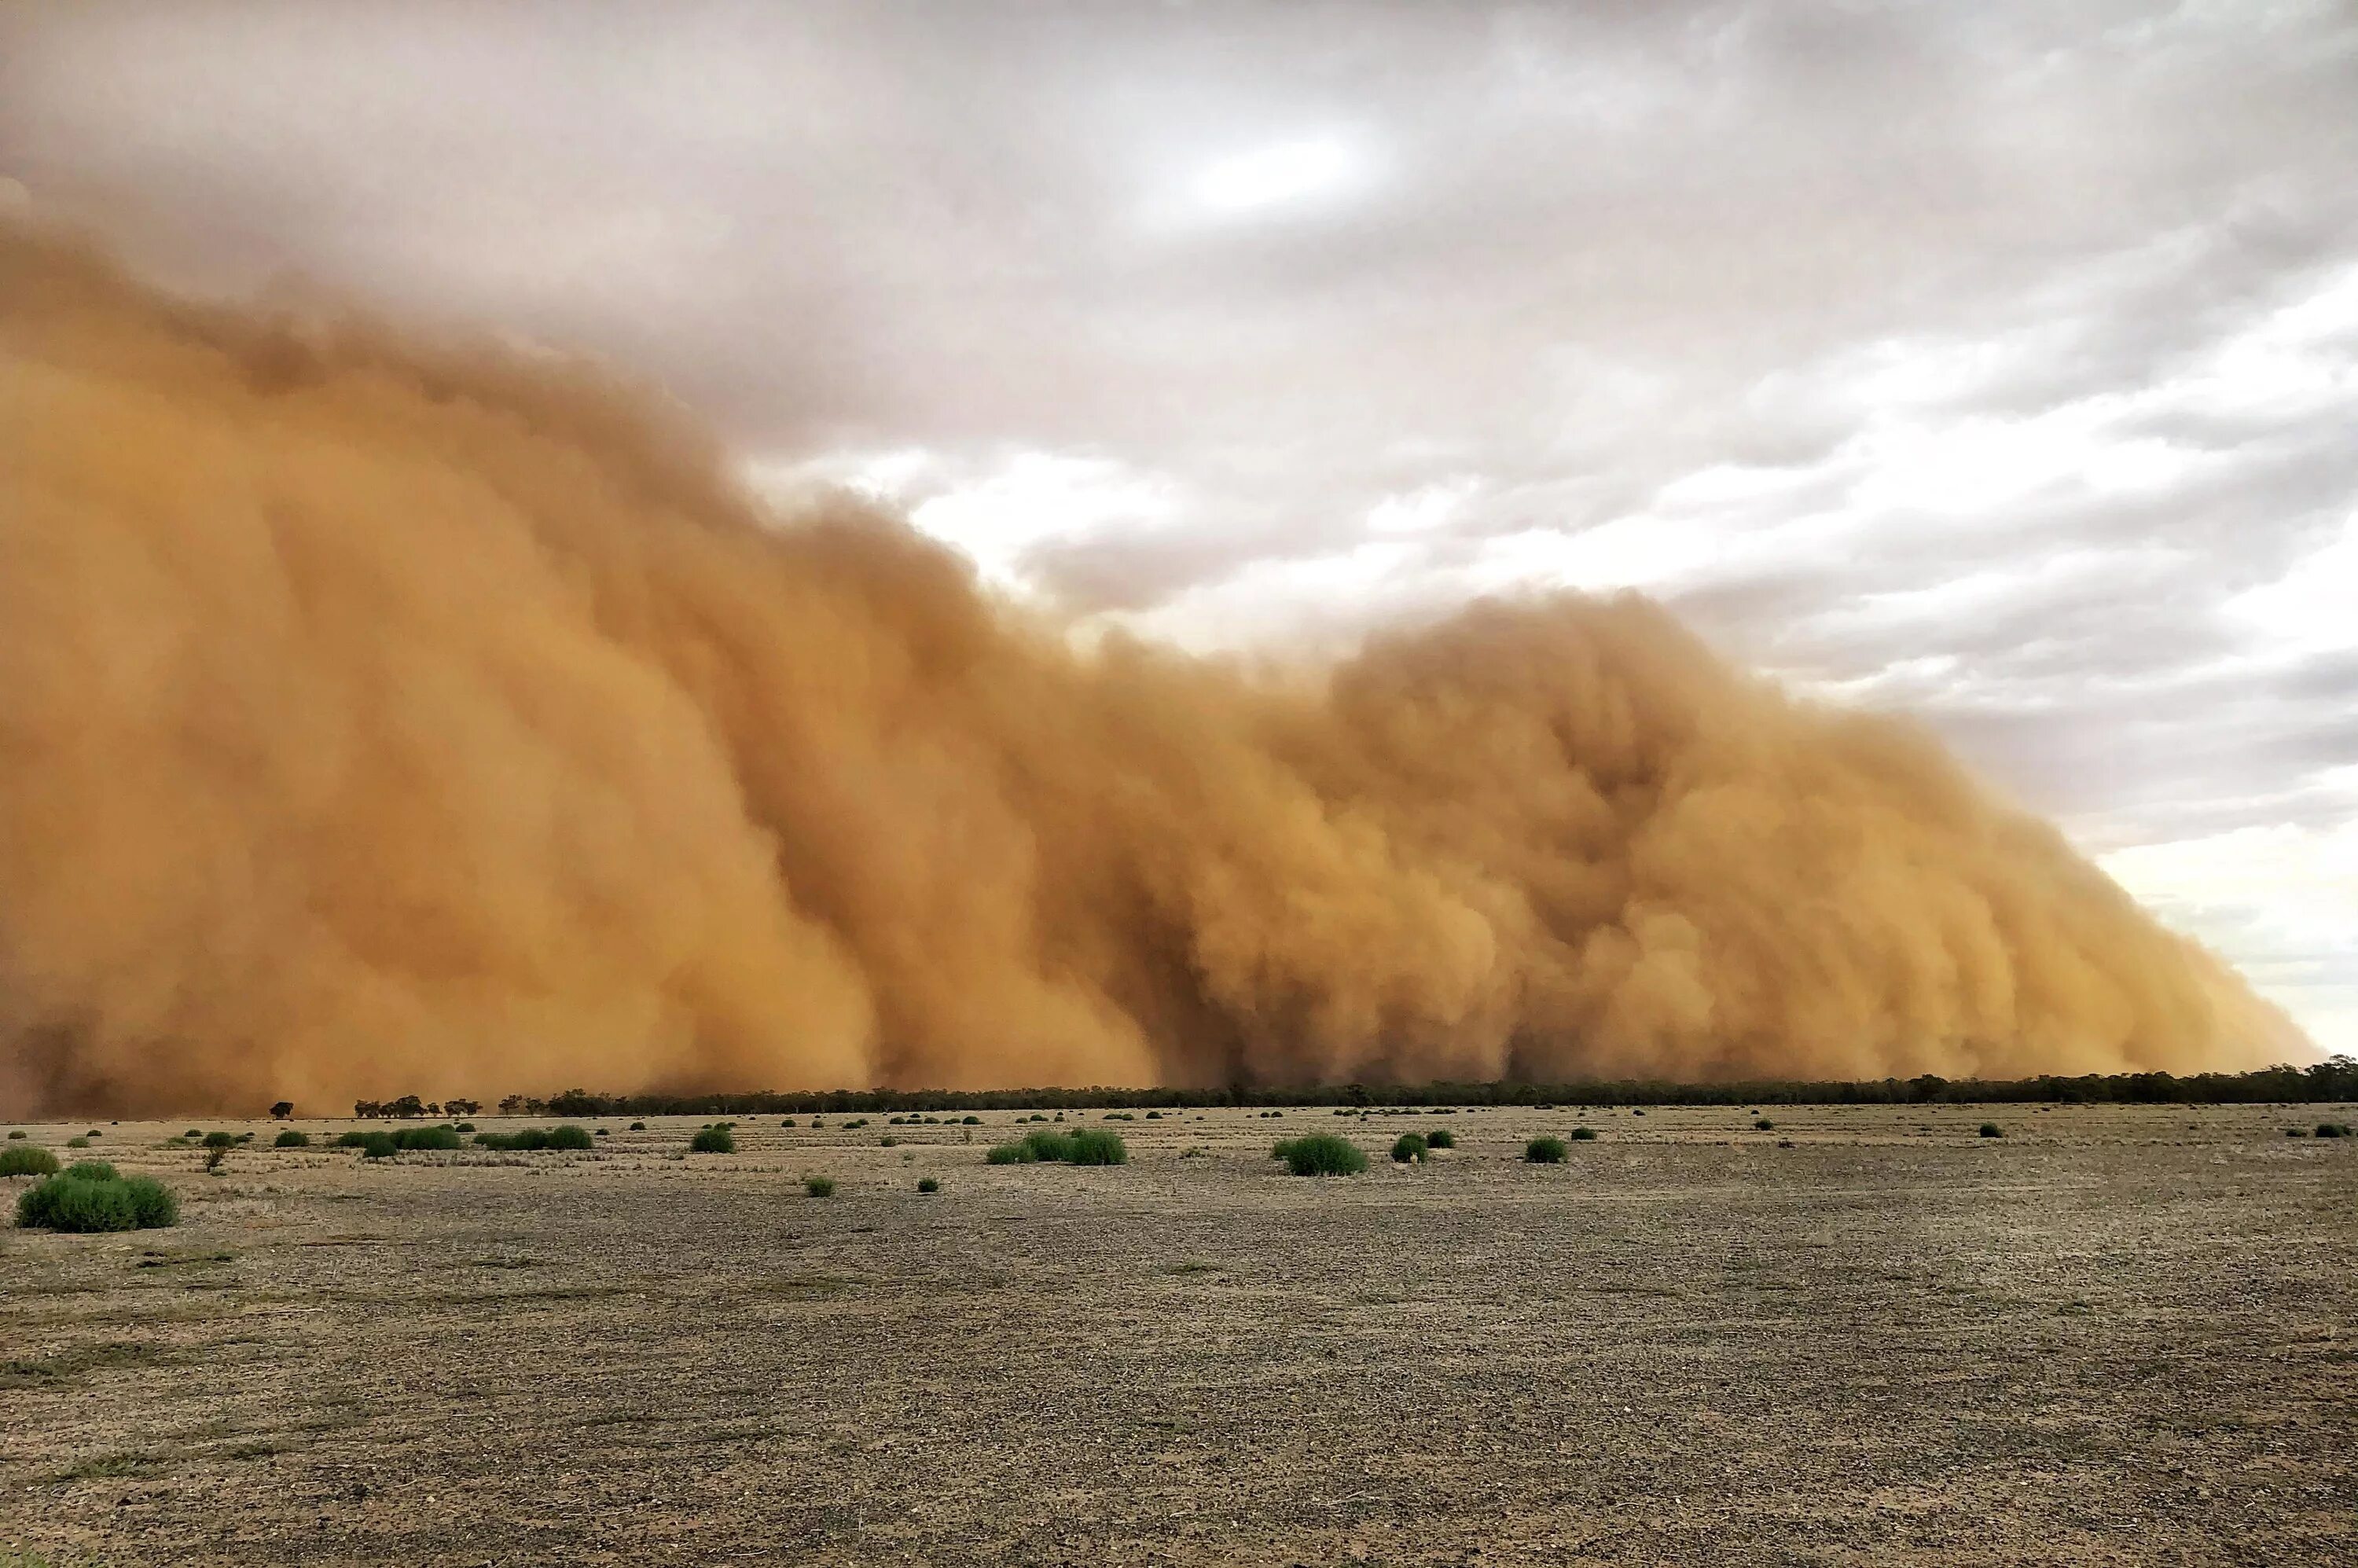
91 1196
1583 1134
714 1140
1322 1154
819 1186
1408 1149
1441 1138
1543 1152
31 1160
927 1184
291 1138
1992 1129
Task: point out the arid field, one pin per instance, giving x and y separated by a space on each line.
2114 1335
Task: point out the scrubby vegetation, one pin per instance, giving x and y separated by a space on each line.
28 1161
1408 1149
532 1140
1083 1146
291 1138
378 1146
714 1139
2334 1129
819 1186
1321 1154
78 1142
92 1195
1992 1129
1544 1152
1583 1134
927 1184
1441 1138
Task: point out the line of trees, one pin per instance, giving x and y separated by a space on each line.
2333 1080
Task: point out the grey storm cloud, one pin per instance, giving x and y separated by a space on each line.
1997 362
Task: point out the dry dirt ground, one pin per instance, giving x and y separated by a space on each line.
2114 1336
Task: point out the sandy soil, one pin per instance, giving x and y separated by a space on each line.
2116 1336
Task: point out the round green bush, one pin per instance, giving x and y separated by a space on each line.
291 1138
1441 1138
713 1141
16 1132
888 1142
1322 1154
819 1186
1408 1149
1097 1146
641 1127
1048 1145
2332 1129
1583 1134
378 1146
1992 1129
1544 1152
1763 1124
31 1160
77 1143
927 1184
221 1141
192 1134
571 1137
90 1196
464 1127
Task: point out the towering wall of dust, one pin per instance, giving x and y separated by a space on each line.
373 721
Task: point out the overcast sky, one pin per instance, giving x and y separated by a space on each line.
1997 362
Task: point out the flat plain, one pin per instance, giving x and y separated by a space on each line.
1866 1336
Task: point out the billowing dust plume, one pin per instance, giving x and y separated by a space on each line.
378 720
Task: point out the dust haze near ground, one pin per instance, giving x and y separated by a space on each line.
2118 1335
378 716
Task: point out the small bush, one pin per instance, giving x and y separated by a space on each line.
576 1139
888 1142
819 1186
641 1127
77 1143
788 1122
351 1139
1017 1154
852 1126
1992 1129
1048 1145
30 1160
1097 1146
91 1196
427 1137
713 1141
2332 1129
378 1146
16 1132
1322 1154
1762 1124
927 1184
1544 1152
291 1138
464 1127
1408 1149
1583 1134
193 1134
970 1120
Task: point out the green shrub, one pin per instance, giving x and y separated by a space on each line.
1322 1154
788 1122
1441 1138
819 1186
464 1127
1018 1153
970 1120
378 1146
78 1142
1583 1134
1763 1124
1992 1129
192 1134
351 1139
713 1141
428 1137
1408 1149
90 1196
291 1138
32 1160
1544 1152
2295 1132
2332 1129
1048 1145
888 1142
641 1127
1097 1146
574 1138
927 1184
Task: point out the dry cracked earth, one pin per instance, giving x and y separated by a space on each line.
2113 1336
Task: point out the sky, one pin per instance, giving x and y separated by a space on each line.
1995 362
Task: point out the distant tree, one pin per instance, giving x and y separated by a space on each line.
282 1110
406 1106
461 1107
367 1109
